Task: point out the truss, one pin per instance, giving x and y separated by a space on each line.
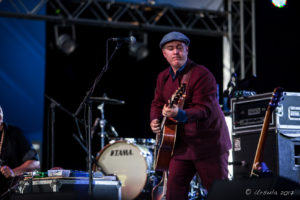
121 15
237 24
241 32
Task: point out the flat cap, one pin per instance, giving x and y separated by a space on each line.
174 36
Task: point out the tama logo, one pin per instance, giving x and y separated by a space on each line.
121 152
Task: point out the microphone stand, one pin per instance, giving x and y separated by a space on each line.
88 102
86 150
53 106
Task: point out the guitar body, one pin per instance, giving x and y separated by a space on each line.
165 151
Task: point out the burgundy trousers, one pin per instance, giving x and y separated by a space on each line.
181 173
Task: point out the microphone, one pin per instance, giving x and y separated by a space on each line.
130 40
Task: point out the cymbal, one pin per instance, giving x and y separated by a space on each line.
107 100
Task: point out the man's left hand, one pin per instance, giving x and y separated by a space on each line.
170 112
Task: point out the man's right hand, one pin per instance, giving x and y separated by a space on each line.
7 171
155 126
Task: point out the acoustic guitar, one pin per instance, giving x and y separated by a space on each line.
276 96
165 141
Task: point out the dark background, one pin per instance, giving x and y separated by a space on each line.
69 77
278 45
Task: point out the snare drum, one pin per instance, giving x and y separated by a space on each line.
115 139
130 162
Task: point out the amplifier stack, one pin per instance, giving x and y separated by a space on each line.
282 148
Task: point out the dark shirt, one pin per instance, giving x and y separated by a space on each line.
178 72
16 150
205 131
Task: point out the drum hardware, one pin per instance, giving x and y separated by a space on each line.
105 100
197 191
113 130
79 140
102 123
96 122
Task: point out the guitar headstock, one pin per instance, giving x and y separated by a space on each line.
176 96
276 97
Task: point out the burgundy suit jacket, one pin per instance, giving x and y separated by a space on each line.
205 133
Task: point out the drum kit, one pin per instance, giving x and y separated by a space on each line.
131 160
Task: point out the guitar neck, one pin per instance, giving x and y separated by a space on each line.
163 121
162 124
276 96
262 140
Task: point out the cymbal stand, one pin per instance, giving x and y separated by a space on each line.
87 102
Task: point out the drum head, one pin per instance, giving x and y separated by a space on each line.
127 161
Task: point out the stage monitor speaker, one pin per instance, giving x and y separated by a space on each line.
268 188
281 154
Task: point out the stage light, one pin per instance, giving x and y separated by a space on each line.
279 3
63 40
139 50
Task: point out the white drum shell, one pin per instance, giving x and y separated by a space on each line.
130 162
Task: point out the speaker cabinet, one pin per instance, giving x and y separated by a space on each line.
281 154
288 157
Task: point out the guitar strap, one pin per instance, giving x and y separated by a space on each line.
185 80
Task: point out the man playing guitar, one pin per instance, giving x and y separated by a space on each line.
202 140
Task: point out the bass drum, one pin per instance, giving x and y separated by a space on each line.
130 162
